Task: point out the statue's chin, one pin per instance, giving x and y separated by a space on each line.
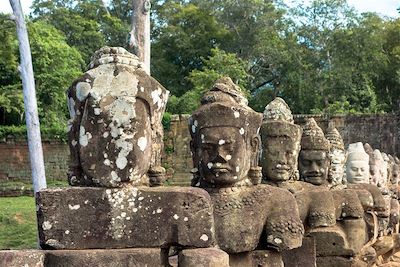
315 180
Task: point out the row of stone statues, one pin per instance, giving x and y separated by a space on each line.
262 185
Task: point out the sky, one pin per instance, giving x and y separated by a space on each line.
382 7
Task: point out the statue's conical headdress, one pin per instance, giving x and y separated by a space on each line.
278 121
356 151
334 137
313 137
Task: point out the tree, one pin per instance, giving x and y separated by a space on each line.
219 64
183 35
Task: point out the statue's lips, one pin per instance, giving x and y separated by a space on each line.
220 169
281 169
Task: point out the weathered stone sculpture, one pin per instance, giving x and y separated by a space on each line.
314 159
357 170
325 218
357 164
281 144
115 131
337 156
225 146
377 168
116 139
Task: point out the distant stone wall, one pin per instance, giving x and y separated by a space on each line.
15 164
380 131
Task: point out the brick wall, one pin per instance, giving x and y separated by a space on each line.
14 160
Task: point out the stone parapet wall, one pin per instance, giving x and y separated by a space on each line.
15 164
381 131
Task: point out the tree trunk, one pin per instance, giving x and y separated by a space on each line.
140 34
31 113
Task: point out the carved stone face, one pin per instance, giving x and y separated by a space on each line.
357 172
122 152
395 174
336 170
313 166
279 158
222 155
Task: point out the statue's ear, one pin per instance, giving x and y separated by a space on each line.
255 143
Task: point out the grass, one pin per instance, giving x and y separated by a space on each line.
18 229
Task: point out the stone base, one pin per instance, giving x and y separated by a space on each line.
257 258
18 258
304 256
203 257
104 258
137 257
90 218
336 261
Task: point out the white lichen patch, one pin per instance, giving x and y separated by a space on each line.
140 198
228 157
237 169
134 209
204 237
121 162
209 165
176 217
277 240
221 142
106 134
46 225
186 219
156 95
74 142
97 111
159 210
236 114
123 214
107 162
142 143
84 137
74 207
82 90
114 177
241 131
193 128
66 232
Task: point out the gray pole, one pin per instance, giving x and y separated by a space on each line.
31 113
140 34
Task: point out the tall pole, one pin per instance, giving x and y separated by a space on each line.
139 39
31 113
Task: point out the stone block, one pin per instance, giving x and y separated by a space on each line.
304 256
203 257
137 257
257 258
336 261
129 217
18 258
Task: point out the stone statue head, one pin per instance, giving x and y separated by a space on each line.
376 166
395 171
337 156
357 164
116 111
225 142
314 154
280 143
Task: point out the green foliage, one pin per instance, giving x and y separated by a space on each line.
56 65
166 121
183 35
58 133
18 228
